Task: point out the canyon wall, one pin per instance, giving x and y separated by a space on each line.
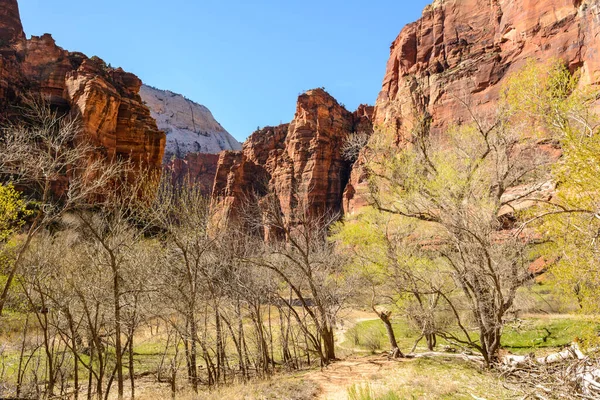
462 51
194 137
107 99
301 162
459 51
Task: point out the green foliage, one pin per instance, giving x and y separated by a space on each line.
12 211
436 230
543 96
556 101
524 336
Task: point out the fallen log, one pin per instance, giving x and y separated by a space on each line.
565 374
572 352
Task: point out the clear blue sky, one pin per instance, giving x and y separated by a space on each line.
246 60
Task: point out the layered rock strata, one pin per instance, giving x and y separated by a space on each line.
106 99
301 163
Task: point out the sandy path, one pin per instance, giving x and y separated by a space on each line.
336 379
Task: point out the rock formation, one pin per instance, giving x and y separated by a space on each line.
200 168
301 163
10 22
462 50
190 127
107 99
194 137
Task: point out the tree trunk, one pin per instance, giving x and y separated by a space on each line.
193 359
131 362
75 355
328 344
490 345
431 341
118 343
395 351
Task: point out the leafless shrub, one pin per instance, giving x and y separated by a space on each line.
353 145
569 378
48 154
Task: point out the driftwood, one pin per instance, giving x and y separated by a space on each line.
572 352
568 374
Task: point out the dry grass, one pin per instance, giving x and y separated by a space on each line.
278 388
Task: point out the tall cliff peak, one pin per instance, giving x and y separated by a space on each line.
461 51
301 163
11 28
190 127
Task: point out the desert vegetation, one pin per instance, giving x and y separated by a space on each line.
115 279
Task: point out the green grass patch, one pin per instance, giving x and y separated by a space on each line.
521 337
433 379
371 336
532 334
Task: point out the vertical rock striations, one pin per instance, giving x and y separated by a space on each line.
11 29
200 168
461 50
301 163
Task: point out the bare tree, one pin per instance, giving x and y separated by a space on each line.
353 145
182 214
47 154
305 261
460 189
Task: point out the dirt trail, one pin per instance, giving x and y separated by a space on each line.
336 379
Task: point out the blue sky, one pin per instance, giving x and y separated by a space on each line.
247 61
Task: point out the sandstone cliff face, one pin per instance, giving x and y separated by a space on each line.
462 50
194 137
107 99
10 22
301 163
190 127
200 168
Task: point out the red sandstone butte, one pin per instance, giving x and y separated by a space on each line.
301 163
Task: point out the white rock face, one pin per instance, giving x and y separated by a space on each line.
190 127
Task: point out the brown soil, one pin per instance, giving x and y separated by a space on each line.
337 378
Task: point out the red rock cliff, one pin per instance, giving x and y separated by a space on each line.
465 48
462 50
107 99
200 168
10 22
301 163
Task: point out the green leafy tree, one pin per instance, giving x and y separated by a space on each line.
462 190
394 272
558 102
13 211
